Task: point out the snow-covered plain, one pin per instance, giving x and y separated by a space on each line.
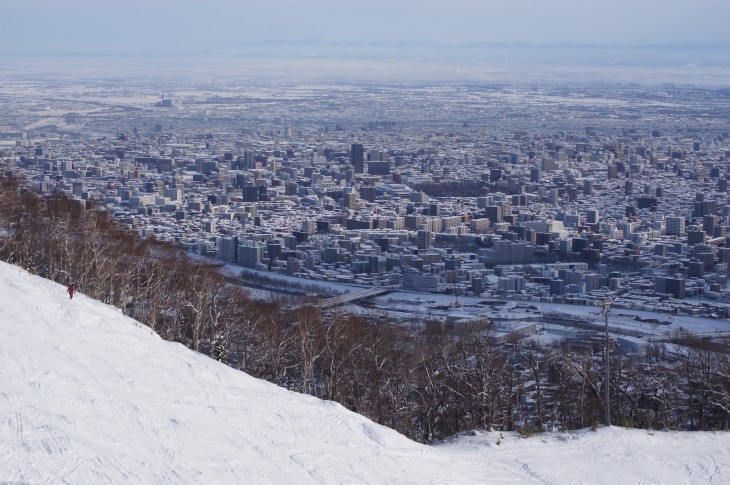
90 396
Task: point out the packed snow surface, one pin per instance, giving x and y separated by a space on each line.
90 396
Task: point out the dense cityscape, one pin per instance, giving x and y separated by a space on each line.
566 194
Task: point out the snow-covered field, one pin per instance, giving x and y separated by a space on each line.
89 396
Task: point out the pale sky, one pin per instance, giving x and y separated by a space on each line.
65 26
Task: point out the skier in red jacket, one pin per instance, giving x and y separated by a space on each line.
71 290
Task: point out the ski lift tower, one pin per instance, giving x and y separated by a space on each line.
606 311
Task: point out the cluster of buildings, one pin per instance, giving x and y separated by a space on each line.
544 215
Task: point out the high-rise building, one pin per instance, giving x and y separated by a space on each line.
250 193
647 203
379 168
331 255
228 248
571 220
350 200
368 193
309 226
249 255
612 171
535 174
413 280
675 226
587 187
709 221
572 194
479 226
274 250
420 197
493 213
292 266
553 196
249 159
548 164
412 221
702 208
696 269
592 281
357 157
593 216
696 237
557 287
424 239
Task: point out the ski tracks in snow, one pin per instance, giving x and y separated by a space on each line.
532 474
89 396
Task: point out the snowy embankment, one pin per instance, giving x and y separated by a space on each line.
90 396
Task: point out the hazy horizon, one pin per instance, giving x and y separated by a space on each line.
93 27
650 42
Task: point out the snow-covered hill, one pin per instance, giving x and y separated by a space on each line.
90 396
